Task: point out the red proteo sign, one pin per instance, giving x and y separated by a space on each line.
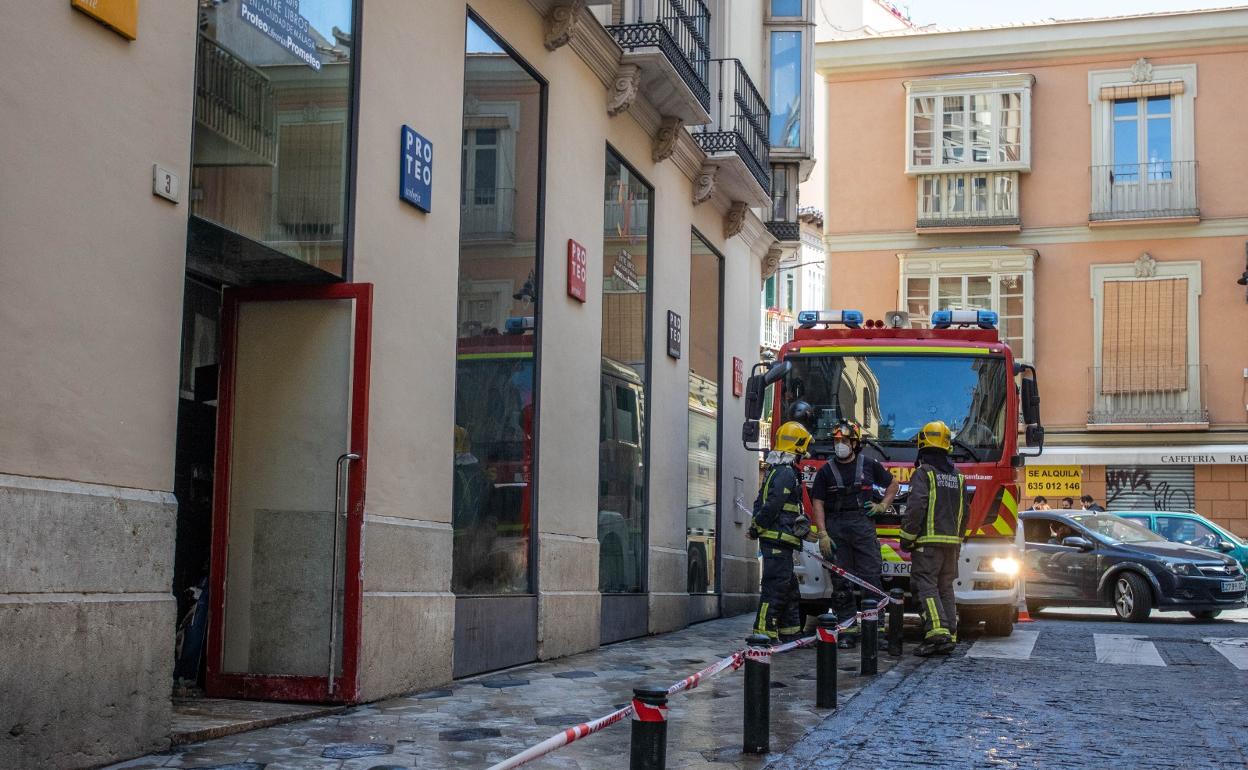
576 270
738 376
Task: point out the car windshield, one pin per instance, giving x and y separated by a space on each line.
893 396
1114 529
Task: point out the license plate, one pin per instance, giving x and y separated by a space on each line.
896 568
1233 586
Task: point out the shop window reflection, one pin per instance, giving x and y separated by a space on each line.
272 133
498 310
625 356
702 513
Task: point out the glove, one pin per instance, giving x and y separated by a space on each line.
752 532
875 509
813 535
905 546
826 546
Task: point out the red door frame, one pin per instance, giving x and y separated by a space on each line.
278 687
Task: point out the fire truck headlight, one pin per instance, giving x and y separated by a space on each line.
1005 566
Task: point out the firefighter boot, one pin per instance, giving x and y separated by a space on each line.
945 647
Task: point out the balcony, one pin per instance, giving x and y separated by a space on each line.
487 213
1154 396
785 232
668 40
1131 192
626 219
777 328
976 200
235 102
736 137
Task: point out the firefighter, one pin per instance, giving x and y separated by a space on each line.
843 513
780 526
933 529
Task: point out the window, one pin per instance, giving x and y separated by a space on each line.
1189 531
272 130
786 89
622 457
769 293
965 279
780 8
780 194
973 121
705 334
1147 361
1143 142
968 199
790 291
492 500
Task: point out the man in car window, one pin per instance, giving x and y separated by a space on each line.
1058 531
933 529
841 496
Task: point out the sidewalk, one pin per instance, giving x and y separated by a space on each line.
473 723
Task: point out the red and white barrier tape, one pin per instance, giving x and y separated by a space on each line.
733 661
646 713
563 739
793 645
851 578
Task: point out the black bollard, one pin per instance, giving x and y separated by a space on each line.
757 727
870 636
825 663
649 746
896 619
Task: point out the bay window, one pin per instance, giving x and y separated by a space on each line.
968 122
999 279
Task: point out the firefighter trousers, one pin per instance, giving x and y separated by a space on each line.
858 553
778 609
933 568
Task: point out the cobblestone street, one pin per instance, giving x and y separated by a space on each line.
476 722
1076 689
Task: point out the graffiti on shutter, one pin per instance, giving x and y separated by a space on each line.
1150 488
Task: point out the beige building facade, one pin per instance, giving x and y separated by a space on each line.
1082 179
351 348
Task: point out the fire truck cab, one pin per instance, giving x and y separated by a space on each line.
891 377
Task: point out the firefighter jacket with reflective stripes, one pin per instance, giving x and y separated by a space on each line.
936 510
779 506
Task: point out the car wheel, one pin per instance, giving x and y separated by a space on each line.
1000 622
1206 614
1133 600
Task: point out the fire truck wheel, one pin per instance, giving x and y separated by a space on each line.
1000 622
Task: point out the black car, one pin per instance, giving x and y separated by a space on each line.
1085 558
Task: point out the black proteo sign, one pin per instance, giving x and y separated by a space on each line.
673 334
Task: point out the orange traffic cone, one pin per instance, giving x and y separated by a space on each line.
1023 615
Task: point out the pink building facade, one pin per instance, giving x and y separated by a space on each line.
1084 180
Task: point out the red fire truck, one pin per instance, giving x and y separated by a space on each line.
892 378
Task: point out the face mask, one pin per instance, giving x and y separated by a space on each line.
843 451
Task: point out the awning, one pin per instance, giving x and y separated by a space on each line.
1194 454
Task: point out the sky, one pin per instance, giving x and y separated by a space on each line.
968 13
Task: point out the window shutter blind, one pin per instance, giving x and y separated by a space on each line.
1142 90
1144 336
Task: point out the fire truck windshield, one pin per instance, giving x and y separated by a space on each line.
893 395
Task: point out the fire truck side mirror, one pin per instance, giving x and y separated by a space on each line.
1030 399
750 434
754 398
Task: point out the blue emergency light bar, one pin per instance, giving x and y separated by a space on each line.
519 324
984 319
809 318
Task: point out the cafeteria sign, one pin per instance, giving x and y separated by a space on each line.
1063 480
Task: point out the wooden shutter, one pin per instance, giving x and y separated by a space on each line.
1144 336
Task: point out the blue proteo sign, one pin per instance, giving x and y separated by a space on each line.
417 173
284 25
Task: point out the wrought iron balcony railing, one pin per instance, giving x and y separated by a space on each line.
622 219
235 100
681 30
739 120
1158 190
787 232
487 211
1166 393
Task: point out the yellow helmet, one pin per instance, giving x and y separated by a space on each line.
793 437
935 435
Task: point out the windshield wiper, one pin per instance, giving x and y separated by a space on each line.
878 447
969 451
